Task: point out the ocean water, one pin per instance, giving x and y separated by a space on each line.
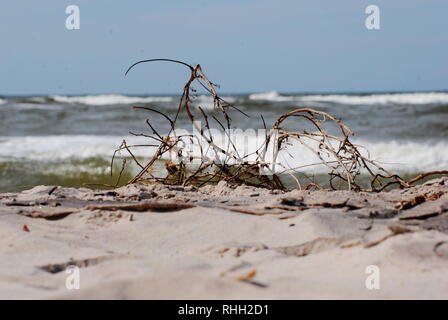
70 140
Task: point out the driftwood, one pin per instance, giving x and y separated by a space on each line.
342 159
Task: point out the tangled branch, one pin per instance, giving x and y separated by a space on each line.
211 163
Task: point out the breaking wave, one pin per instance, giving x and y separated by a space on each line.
400 156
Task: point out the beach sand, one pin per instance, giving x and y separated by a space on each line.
223 242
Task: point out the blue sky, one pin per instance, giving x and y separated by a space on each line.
244 45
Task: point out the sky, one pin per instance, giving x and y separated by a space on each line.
244 45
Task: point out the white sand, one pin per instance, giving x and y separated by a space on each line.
304 250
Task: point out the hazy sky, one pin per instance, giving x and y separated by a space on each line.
244 45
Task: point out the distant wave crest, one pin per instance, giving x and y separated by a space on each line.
270 96
381 99
372 99
109 99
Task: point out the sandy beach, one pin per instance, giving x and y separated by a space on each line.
224 242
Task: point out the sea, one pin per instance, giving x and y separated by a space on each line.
70 140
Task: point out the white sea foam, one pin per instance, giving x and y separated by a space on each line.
65 147
270 96
397 156
373 99
393 155
108 99
409 156
381 99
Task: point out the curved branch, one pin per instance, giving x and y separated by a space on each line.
154 60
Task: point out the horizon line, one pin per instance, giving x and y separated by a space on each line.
336 92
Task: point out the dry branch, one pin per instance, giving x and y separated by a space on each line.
342 159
